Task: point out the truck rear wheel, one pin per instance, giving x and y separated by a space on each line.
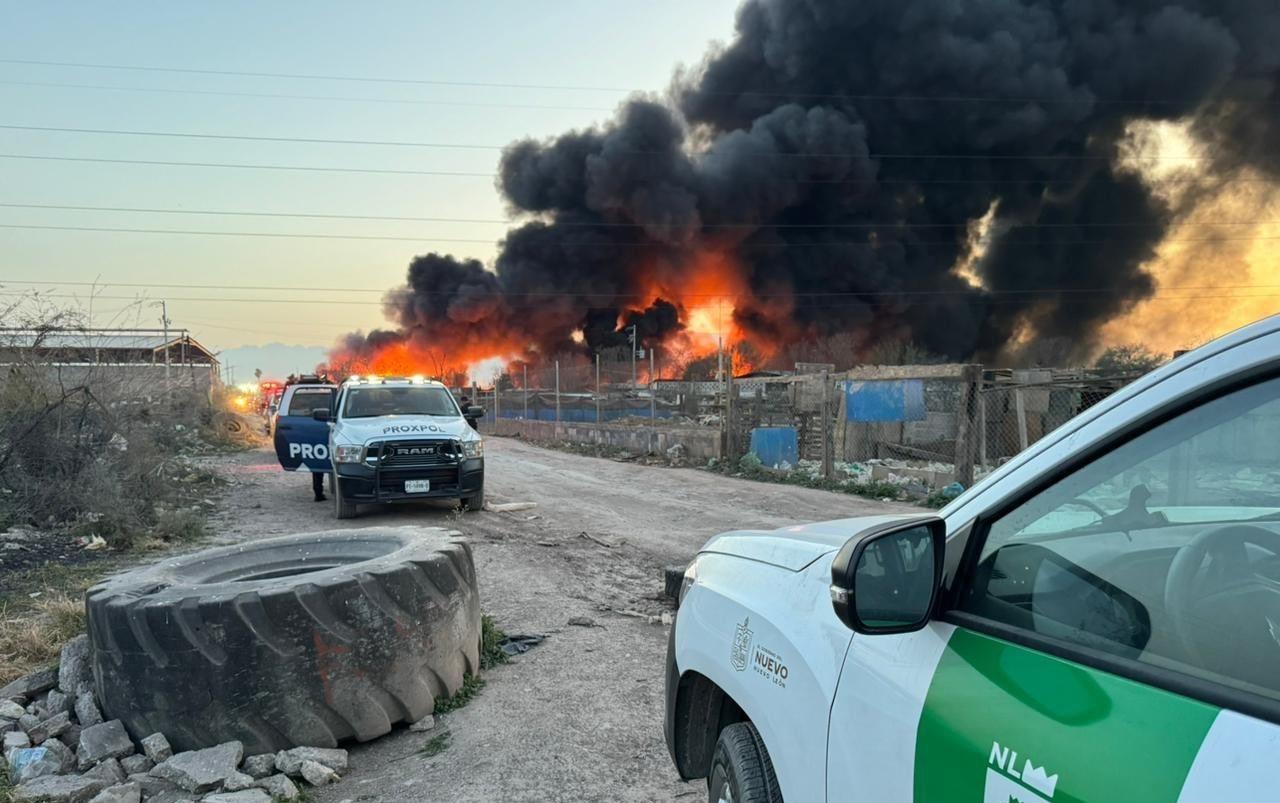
741 771
343 508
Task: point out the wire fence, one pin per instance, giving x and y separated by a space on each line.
916 428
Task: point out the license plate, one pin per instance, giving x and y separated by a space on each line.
417 486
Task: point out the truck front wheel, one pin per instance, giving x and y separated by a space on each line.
343 508
474 502
741 771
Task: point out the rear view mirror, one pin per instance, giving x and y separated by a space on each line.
474 412
885 579
320 413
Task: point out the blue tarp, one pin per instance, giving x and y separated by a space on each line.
883 400
775 446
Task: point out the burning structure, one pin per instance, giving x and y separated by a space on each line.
969 177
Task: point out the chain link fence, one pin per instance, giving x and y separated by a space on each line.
896 430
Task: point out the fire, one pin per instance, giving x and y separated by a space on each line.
709 289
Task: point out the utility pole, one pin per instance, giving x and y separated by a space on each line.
164 321
557 398
525 384
828 456
653 390
598 421
634 346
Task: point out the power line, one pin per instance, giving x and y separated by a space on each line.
483 147
846 305
595 224
318 77
303 168
286 96
635 244
749 92
615 295
910 182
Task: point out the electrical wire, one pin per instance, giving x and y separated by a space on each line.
601 224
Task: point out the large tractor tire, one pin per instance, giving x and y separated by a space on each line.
305 640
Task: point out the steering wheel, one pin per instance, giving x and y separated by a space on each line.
1231 601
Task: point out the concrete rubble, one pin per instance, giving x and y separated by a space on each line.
58 748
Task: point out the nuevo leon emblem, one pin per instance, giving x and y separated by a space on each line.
741 648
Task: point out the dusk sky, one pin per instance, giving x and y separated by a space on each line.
615 47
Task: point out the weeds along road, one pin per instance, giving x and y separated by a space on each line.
580 717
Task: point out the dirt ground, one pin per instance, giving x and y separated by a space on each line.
578 718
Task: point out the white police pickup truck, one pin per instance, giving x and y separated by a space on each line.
1097 621
402 440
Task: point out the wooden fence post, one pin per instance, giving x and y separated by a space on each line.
967 424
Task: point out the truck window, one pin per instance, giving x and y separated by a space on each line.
373 401
1165 550
305 400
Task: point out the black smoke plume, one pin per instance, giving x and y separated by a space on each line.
839 152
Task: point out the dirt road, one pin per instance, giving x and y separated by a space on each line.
580 717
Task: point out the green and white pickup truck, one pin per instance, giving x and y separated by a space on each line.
1096 621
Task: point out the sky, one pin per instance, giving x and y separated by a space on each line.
604 50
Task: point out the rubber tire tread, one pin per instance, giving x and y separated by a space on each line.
311 659
741 752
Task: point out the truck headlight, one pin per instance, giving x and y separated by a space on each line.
473 448
690 577
347 454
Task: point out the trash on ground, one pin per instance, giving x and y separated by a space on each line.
519 645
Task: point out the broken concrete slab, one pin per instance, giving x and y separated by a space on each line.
423 725
317 774
108 770
56 703
202 770
136 763
31 685
64 753
99 742
247 796
261 765
153 787
290 761
28 763
120 793
16 740
279 787
75 674
55 725
59 789
87 711
157 748
239 781
11 710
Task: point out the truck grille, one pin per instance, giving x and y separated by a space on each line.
416 454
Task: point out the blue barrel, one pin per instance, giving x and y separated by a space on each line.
775 446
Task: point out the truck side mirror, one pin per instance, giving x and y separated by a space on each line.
320 413
474 412
886 578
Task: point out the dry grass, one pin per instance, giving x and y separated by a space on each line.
33 629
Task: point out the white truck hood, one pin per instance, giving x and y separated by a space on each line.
407 427
795 547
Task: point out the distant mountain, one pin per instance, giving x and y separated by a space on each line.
277 360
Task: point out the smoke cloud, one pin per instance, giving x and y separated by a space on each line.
820 174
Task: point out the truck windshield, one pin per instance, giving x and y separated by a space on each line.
370 402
